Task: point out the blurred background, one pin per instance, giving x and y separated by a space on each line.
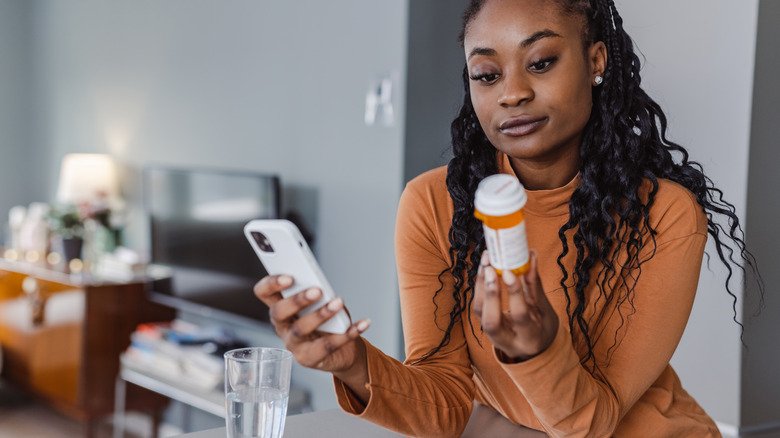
180 110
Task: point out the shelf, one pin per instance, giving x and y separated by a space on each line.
212 402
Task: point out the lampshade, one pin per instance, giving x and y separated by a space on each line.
87 177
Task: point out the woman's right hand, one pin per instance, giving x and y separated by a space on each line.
341 354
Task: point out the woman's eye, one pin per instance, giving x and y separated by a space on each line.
484 77
542 65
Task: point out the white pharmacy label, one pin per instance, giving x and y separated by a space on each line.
508 247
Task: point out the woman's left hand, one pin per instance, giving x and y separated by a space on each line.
531 323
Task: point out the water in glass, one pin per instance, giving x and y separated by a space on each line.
256 412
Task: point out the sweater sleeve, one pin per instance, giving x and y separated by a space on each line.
433 397
566 398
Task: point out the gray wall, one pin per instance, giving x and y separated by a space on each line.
434 84
699 67
16 180
760 381
264 86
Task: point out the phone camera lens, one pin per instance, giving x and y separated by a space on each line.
262 241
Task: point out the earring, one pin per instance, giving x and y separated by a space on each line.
599 80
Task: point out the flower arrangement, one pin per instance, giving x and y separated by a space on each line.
98 224
66 222
107 218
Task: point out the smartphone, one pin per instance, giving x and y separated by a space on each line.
282 250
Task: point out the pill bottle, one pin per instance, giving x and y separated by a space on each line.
499 203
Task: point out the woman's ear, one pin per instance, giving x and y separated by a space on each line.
597 56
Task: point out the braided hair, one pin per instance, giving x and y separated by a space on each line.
624 147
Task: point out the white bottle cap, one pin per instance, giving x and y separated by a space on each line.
500 195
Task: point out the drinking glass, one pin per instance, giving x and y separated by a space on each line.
257 387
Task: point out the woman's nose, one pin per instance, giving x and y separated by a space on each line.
516 91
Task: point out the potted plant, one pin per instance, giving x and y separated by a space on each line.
67 228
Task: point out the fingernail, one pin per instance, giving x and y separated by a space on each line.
335 304
509 277
313 294
284 280
490 275
363 325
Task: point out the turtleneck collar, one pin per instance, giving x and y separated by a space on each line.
552 202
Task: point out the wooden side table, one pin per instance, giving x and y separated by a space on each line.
73 365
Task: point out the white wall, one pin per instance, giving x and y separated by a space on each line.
265 86
16 182
699 67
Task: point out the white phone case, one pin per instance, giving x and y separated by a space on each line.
291 255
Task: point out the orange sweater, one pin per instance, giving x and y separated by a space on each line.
551 392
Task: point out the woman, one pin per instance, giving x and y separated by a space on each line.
579 346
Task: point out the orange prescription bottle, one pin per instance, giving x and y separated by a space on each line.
499 203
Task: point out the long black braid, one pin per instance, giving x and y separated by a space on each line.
624 147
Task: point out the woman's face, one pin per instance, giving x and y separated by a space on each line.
531 79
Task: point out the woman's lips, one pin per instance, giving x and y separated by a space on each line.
521 126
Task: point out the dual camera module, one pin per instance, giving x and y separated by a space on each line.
262 241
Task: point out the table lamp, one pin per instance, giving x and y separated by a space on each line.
87 178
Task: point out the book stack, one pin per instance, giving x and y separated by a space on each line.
121 265
181 353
